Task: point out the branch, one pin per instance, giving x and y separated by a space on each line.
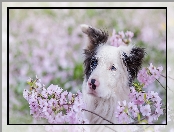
161 84
167 76
159 81
167 86
98 116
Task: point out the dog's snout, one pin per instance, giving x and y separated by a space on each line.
93 81
93 84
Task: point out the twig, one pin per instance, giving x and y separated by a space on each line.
161 84
163 76
159 81
98 116
170 78
167 76
110 128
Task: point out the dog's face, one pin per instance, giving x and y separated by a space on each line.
108 69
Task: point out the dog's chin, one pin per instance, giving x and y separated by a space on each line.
93 93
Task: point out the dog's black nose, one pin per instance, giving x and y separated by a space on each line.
93 81
93 84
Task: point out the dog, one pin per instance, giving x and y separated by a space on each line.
108 75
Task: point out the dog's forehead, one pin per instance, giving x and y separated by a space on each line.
107 52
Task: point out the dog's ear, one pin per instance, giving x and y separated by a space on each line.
133 62
96 36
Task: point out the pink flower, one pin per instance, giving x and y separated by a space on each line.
158 111
145 78
116 39
160 69
155 71
129 34
121 33
44 93
145 110
133 109
26 94
152 68
51 89
123 118
69 95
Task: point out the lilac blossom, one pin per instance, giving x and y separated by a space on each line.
145 110
119 39
148 104
147 76
54 104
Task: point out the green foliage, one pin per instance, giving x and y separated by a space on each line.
78 71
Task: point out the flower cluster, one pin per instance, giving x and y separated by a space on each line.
121 38
148 75
143 106
54 104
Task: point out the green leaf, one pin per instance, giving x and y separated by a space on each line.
144 121
145 97
126 110
139 117
30 83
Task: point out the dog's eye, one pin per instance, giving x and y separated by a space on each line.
94 63
113 68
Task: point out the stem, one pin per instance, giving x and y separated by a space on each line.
161 84
163 76
135 122
167 76
159 81
98 116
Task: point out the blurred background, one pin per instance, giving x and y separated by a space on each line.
49 43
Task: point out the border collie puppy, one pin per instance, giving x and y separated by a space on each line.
109 72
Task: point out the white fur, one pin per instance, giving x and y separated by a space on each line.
84 28
113 84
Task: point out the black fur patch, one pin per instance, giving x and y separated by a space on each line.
88 57
133 62
96 37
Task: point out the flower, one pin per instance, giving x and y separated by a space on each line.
129 34
55 105
146 76
121 33
119 39
123 118
145 110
